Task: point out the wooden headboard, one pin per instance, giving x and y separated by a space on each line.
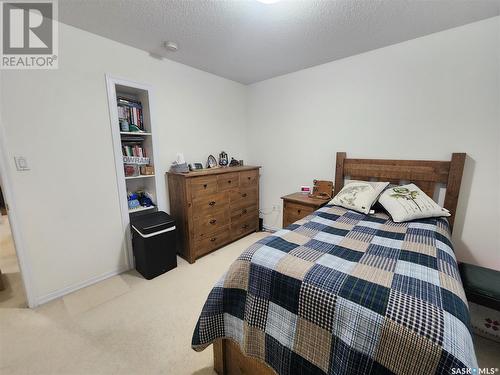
424 173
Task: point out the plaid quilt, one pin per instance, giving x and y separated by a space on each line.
341 292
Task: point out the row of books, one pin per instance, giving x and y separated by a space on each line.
131 111
133 150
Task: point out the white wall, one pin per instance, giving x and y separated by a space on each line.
421 99
68 208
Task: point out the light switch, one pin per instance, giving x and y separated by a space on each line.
21 163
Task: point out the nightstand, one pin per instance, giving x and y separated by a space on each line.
297 206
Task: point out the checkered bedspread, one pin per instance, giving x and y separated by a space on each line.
345 293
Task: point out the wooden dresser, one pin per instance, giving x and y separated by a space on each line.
213 207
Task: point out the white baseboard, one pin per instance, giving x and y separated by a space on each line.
72 288
270 228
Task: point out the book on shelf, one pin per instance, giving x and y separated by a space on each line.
130 110
133 150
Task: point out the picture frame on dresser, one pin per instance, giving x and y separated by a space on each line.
212 162
213 207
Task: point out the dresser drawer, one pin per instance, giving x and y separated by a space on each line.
210 203
212 242
293 212
244 226
249 178
241 213
243 197
201 186
227 181
207 224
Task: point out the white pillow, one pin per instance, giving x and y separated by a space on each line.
359 195
408 202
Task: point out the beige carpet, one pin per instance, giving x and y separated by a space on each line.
128 325
13 294
123 325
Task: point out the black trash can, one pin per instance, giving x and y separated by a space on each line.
154 242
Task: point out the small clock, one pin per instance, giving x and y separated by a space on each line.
195 166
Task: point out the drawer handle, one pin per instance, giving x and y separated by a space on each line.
213 221
244 211
212 203
245 226
298 211
249 178
213 239
205 186
228 181
244 195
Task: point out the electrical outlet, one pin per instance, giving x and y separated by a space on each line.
276 207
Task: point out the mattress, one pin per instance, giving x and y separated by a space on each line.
340 292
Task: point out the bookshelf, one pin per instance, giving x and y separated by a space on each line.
134 146
134 133
139 209
140 176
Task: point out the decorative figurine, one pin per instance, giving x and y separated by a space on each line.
223 159
234 163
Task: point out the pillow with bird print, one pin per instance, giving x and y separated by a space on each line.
359 195
408 202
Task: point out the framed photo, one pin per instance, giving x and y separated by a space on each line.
212 162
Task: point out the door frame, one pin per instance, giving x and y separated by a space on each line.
12 212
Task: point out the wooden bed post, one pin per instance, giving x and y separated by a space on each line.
229 360
219 365
339 172
453 184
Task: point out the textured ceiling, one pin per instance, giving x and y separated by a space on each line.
248 41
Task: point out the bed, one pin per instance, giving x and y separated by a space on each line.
340 292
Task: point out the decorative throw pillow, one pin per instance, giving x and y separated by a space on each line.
359 195
408 202
377 207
